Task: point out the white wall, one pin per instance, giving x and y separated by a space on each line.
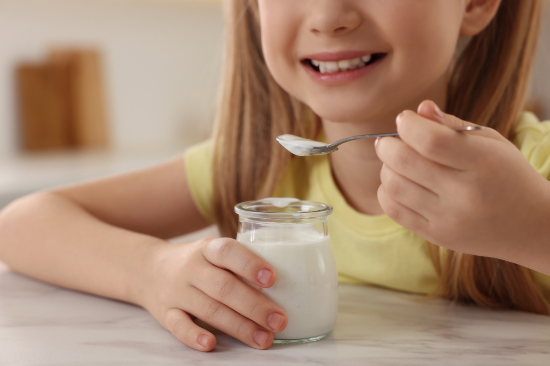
162 61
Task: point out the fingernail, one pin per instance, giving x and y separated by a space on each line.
203 340
398 119
376 141
275 320
438 111
260 336
264 276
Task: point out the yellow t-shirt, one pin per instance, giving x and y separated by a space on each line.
367 249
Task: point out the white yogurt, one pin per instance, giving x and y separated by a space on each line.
279 202
298 145
307 280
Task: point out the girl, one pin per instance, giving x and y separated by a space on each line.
458 215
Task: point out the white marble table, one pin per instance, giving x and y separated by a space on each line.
46 325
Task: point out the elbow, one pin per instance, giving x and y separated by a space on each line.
13 221
9 217
6 215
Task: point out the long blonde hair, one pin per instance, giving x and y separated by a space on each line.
488 86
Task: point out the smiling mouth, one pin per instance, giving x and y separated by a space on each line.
332 67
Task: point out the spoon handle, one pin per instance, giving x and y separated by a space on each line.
340 142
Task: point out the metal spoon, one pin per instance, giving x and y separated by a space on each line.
305 147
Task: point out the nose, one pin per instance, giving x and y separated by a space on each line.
333 17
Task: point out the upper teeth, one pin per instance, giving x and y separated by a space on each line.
344 65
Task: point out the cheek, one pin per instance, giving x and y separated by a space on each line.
425 42
280 28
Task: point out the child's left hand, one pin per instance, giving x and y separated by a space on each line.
472 192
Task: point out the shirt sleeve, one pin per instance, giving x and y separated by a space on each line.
198 162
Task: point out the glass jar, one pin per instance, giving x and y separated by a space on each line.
292 235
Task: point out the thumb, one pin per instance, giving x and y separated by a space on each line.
428 109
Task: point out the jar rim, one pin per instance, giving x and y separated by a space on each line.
282 208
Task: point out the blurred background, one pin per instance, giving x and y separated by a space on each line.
95 87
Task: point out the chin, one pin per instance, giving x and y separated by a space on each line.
342 113
349 107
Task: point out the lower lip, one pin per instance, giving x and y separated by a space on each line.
340 77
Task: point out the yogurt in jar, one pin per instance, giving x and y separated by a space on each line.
307 280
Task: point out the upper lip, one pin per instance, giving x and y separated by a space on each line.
337 56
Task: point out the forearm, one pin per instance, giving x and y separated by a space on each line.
541 263
50 238
536 255
533 250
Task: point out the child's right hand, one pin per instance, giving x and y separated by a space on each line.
199 279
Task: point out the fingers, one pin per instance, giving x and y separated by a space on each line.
187 332
428 109
247 301
435 141
227 320
230 254
438 142
405 161
408 193
402 215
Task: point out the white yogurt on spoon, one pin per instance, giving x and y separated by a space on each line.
298 145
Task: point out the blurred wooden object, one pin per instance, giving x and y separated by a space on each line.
45 111
62 101
88 95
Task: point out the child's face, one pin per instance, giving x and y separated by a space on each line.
413 42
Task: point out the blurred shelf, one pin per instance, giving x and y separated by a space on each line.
25 174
